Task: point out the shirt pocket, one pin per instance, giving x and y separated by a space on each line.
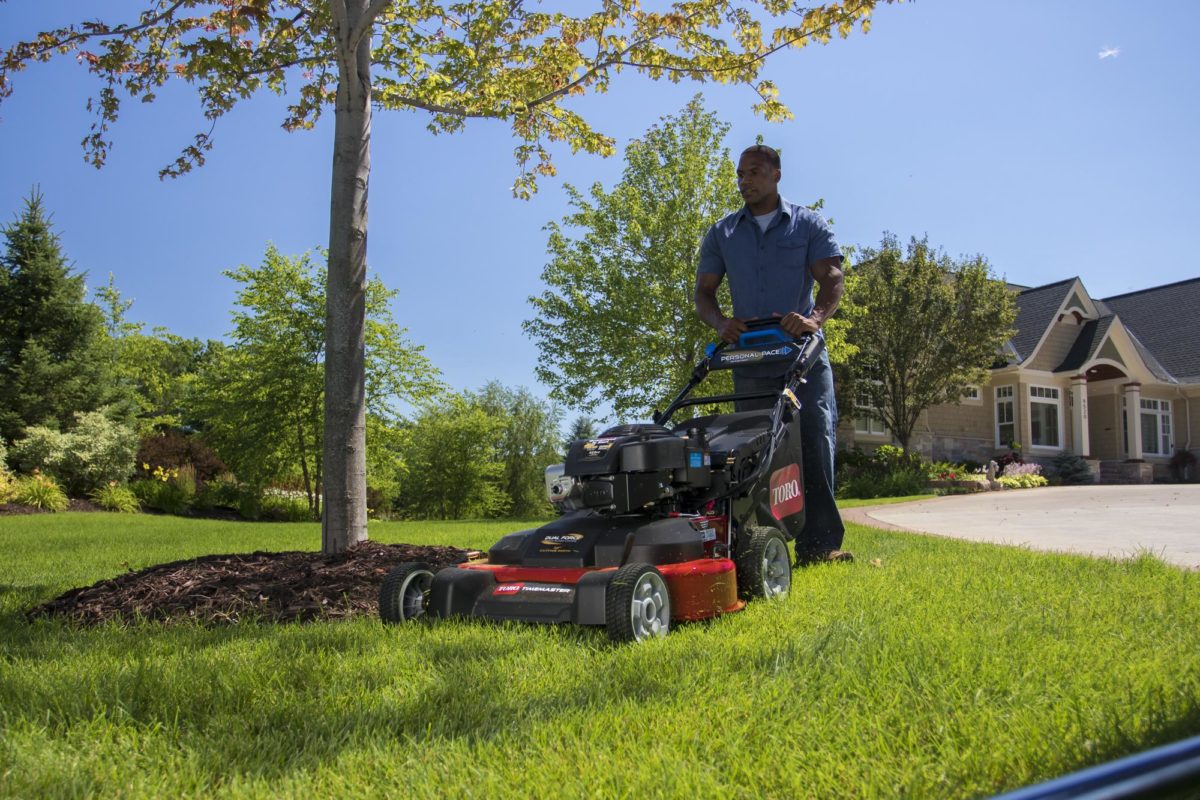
792 251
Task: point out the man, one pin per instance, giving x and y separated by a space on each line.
772 251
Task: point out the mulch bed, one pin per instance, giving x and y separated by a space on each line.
75 504
292 586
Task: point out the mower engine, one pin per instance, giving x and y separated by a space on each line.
629 467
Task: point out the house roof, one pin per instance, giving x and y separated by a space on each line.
1160 319
1085 346
1035 311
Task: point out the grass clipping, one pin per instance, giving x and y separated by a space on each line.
271 587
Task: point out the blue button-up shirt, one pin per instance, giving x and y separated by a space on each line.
769 272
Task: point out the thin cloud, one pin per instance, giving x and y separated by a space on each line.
1110 52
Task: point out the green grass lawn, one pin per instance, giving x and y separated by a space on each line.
944 669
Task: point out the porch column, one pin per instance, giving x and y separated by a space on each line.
1079 417
1133 419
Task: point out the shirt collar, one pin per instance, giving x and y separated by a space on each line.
784 206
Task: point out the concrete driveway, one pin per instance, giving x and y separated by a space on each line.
1113 521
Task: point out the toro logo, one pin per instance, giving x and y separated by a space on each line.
508 588
787 497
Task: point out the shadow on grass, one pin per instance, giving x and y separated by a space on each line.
336 687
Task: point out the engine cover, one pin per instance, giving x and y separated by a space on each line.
627 448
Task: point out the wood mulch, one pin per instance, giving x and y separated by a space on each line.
271 587
75 504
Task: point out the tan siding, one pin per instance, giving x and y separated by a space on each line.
1056 346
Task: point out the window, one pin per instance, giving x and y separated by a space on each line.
866 420
1156 427
1006 427
1044 413
971 395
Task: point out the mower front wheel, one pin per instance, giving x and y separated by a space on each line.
404 594
637 605
765 568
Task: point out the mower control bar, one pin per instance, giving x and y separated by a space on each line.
726 398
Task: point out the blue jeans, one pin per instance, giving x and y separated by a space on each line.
823 528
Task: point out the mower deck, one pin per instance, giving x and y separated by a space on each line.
700 589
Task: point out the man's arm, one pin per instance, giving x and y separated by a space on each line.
832 282
709 309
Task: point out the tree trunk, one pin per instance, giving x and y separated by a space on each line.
308 485
344 517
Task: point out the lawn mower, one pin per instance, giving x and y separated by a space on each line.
657 524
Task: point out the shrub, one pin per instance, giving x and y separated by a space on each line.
42 449
6 480
7 484
1183 466
174 448
85 458
1072 470
1008 459
1017 470
40 491
283 506
167 489
115 497
1027 480
889 472
946 471
222 491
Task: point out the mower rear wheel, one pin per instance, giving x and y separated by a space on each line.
637 605
404 594
765 568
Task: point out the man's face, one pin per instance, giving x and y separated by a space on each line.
757 179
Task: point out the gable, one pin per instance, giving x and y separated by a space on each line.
1037 309
1109 352
1075 300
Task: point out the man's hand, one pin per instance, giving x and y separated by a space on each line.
730 329
709 310
798 324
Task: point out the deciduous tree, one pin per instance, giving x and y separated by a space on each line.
926 327
617 320
156 369
261 398
526 445
452 460
454 61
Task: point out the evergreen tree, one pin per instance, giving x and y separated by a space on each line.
584 427
52 341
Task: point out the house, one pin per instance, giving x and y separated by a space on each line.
1077 367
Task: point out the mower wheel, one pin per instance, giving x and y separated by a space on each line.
637 605
765 568
404 594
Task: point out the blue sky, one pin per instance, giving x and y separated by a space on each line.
993 127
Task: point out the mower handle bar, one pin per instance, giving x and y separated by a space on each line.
810 346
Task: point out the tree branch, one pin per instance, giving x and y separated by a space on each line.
120 30
376 8
846 15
